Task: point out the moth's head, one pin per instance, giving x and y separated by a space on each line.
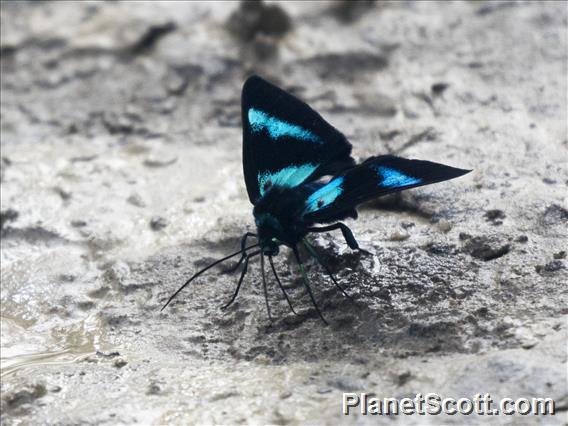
270 247
269 229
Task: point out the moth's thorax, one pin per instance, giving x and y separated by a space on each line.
278 217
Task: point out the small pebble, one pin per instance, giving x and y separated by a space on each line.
154 389
108 355
157 223
399 236
136 200
65 195
444 226
54 388
495 216
439 88
119 363
8 215
550 267
159 162
404 378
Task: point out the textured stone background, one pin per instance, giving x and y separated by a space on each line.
121 175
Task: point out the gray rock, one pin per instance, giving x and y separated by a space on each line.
464 290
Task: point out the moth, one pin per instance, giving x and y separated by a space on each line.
299 174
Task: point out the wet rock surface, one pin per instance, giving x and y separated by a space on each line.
121 176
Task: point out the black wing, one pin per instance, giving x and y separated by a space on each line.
285 142
375 177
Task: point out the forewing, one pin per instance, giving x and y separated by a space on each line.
375 177
285 142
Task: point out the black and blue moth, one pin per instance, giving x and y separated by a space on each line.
299 173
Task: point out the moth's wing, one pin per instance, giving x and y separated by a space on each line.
285 142
375 177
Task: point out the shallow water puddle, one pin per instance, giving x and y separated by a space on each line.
10 364
80 341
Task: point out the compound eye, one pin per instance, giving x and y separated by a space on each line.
267 185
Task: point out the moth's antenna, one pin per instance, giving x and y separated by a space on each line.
243 273
280 284
264 285
243 243
324 266
236 266
307 284
172 297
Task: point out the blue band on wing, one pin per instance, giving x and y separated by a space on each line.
324 196
290 176
392 178
277 128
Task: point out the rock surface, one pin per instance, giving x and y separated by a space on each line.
121 175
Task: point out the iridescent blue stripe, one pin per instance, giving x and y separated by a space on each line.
289 177
392 178
324 196
277 128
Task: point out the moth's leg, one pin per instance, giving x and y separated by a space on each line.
347 234
245 237
324 266
307 284
243 244
264 285
194 276
243 273
280 284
